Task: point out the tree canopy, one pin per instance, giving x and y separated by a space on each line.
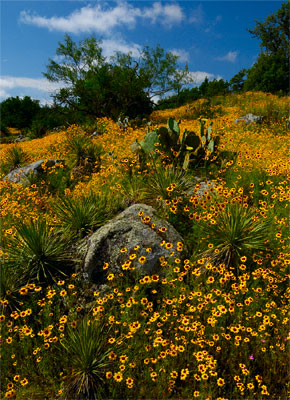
98 87
270 73
274 32
17 112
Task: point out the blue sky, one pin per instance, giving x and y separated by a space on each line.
210 35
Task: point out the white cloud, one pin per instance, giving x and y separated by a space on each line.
181 53
11 82
4 94
109 47
197 15
231 56
103 20
199 76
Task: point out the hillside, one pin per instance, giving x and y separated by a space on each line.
212 321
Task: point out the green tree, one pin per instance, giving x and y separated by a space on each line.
268 74
271 71
96 87
75 63
213 88
237 82
274 32
18 113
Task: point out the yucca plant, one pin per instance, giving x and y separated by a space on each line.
11 281
163 179
84 153
39 254
86 349
80 215
133 188
15 158
237 232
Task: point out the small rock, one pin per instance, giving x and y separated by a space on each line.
250 118
19 175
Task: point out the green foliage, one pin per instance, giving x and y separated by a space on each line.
98 88
133 188
4 132
274 31
271 71
238 81
84 153
186 150
37 129
15 158
183 97
87 354
94 126
160 71
51 181
212 88
167 182
38 253
11 280
236 232
81 215
269 74
150 142
207 89
18 113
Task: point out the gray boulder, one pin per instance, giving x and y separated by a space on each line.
250 118
19 175
128 231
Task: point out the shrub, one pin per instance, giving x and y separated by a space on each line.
39 254
167 183
53 180
15 157
80 215
236 232
87 353
84 153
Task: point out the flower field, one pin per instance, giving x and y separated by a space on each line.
213 324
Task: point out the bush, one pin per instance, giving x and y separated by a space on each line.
87 352
14 158
80 215
39 254
236 232
84 153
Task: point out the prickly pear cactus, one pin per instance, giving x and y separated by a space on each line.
173 130
165 139
190 139
150 142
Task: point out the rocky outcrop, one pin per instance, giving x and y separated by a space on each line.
132 229
250 118
38 167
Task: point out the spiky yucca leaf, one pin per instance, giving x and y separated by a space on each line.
80 215
134 188
163 177
87 351
15 157
237 231
38 253
83 152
